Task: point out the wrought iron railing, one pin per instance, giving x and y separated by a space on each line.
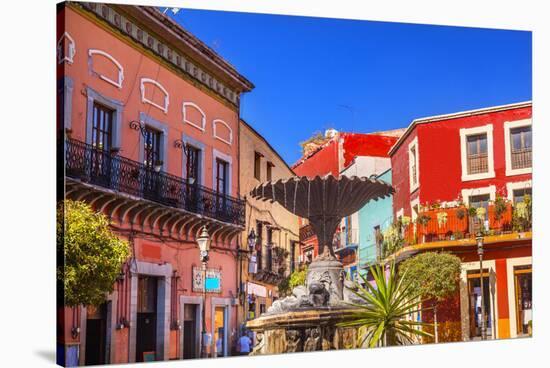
109 170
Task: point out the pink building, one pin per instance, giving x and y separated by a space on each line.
149 122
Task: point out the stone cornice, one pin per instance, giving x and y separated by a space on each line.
225 82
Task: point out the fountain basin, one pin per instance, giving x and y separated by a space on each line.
311 329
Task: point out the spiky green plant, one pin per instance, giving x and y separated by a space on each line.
382 320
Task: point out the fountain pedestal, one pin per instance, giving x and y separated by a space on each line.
308 320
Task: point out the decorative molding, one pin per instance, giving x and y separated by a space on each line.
117 83
61 57
146 100
464 133
150 42
214 123
202 127
509 125
510 187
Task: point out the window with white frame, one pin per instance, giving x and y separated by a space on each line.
518 146
518 190
413 164
476 145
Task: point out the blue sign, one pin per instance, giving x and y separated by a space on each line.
213 284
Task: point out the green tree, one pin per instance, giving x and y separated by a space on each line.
296 278
93 255
382 320
434 276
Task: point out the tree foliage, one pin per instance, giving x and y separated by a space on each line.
296 278
432 275
382 320
93 255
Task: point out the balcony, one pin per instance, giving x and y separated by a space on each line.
306 232
458 224
122 175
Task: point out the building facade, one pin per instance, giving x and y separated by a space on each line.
273 255
466 175
374 218
148 125
344 154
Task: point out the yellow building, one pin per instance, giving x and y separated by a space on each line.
274 253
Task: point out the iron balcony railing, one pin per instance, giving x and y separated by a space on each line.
108 170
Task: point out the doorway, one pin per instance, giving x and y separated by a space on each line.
474 297
220 331
146 330
96 335
523 293
190 331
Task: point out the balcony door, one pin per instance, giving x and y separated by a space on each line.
222 169
192 172
102 133
151 158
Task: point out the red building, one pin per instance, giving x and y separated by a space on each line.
334 156
444 169
148 126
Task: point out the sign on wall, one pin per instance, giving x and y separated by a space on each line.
213 280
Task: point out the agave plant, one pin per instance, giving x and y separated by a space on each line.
382 320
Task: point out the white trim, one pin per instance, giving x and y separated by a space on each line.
61 49
510 187
415 202
399 213
146 100
510 264
467 193
464 297
464 133
185 120
214 122
414 144
118 83
508 125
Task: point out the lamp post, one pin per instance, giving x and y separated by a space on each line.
204 246
479 239
251 242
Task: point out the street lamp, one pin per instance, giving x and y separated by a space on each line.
203 241
251 240
479 239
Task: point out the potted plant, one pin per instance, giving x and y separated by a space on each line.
500 207
405 221
480 213
441 219
460 213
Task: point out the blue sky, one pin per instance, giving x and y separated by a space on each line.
360 76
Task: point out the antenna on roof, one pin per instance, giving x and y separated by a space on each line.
174 10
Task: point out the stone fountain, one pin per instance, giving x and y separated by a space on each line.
307 320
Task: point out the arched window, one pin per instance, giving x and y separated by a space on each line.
148 93
66 49
103 70
194 116
222 131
